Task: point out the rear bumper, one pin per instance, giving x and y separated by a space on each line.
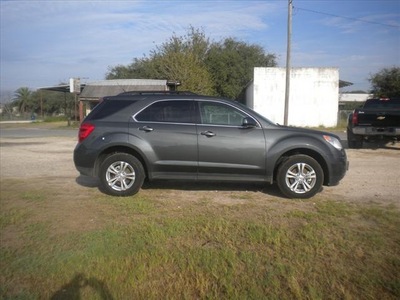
84 160
376 131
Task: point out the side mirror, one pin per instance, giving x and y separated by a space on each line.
249 123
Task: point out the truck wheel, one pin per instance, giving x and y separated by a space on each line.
354 141
300 176
121 174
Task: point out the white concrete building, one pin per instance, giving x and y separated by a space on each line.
313 97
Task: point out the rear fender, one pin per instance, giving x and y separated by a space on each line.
125 143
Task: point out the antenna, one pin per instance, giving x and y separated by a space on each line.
121 87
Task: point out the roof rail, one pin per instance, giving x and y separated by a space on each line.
132 93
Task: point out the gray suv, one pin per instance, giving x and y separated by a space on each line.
182 136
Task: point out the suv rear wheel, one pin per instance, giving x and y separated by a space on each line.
300 176
121 174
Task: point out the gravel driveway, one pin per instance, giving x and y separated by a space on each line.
374 174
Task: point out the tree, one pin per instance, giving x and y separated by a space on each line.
52 103
180 58
184 67
121 72
386 83
23 99
222 69
232 62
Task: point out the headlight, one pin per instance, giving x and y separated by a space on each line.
333 141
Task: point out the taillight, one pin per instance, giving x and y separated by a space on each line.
354 119
84 131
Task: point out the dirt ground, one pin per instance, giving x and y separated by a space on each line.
374 174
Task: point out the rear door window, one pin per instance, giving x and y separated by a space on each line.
174 111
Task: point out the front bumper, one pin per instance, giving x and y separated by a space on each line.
338 169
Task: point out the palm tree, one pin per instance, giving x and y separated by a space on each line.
22 98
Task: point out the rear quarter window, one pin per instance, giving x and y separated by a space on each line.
111 109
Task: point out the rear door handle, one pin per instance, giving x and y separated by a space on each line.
146 128
208 133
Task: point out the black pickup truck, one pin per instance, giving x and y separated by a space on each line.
378 120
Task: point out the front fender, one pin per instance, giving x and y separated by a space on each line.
297 144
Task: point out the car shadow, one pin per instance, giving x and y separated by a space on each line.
264 188
181 185
382 145
87 181
376 145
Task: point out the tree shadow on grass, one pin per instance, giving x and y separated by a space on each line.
72 290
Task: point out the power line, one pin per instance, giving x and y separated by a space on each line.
349 18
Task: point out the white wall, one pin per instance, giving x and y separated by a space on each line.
313 94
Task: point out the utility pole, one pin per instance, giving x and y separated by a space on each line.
289 37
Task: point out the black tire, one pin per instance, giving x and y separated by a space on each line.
354 141
121 174
300 176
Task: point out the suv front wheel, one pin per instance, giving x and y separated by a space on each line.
300 176
121 174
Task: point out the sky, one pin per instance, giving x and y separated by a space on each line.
44 43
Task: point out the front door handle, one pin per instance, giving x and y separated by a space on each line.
146 128
208 133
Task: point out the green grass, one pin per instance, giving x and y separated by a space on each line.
147 247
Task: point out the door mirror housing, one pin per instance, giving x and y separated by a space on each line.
249 123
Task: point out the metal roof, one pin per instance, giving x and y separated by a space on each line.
129 82
343 83
64 88
98 89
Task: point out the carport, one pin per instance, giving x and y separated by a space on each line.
94 91
62 88
91 93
